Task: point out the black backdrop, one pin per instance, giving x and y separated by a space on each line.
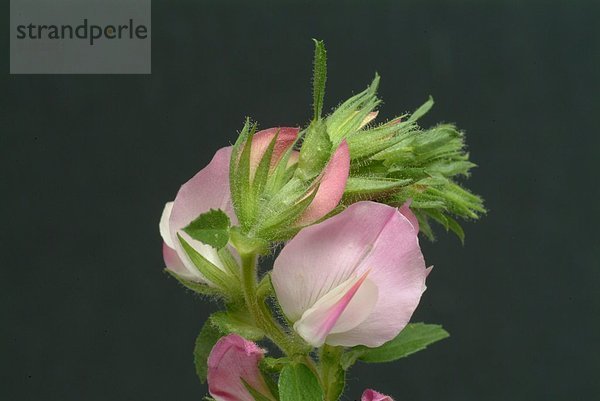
88 162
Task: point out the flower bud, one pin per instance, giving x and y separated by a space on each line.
372 395
232 366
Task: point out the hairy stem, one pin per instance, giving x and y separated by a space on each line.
331 373
259 312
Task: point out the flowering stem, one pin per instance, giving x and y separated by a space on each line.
262 318
331 374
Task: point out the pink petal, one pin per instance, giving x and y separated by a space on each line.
367 236
174 263
286 136
326 315
405 210
165 230
372 395
331 186
208 189
231 360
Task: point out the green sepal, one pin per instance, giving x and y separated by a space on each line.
274 365
198 288
319 78
277 227
255 393
265 287
261 175
239 176
415 337
315 152
238 323
248 245
210 228
298 383
372 186
348 118
229 261
211 272
206 340
368 142
422 110
235 179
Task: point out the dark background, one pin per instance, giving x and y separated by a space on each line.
87 163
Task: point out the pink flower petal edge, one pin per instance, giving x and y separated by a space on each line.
372 395
232 361
314 275
332 184
286 137
405 210
208 189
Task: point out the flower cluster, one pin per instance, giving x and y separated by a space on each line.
348 200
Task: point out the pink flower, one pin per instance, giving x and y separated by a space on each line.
209 189
354 279
232 361
372 395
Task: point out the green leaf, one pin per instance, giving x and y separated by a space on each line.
298 383
210 228
236 322
211 272
319 78
207 338
415 337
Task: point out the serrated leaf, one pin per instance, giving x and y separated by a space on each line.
415 337
319 78
210 228
232 322
298 383
207 338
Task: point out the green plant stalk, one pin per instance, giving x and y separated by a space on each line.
261 316
330 370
